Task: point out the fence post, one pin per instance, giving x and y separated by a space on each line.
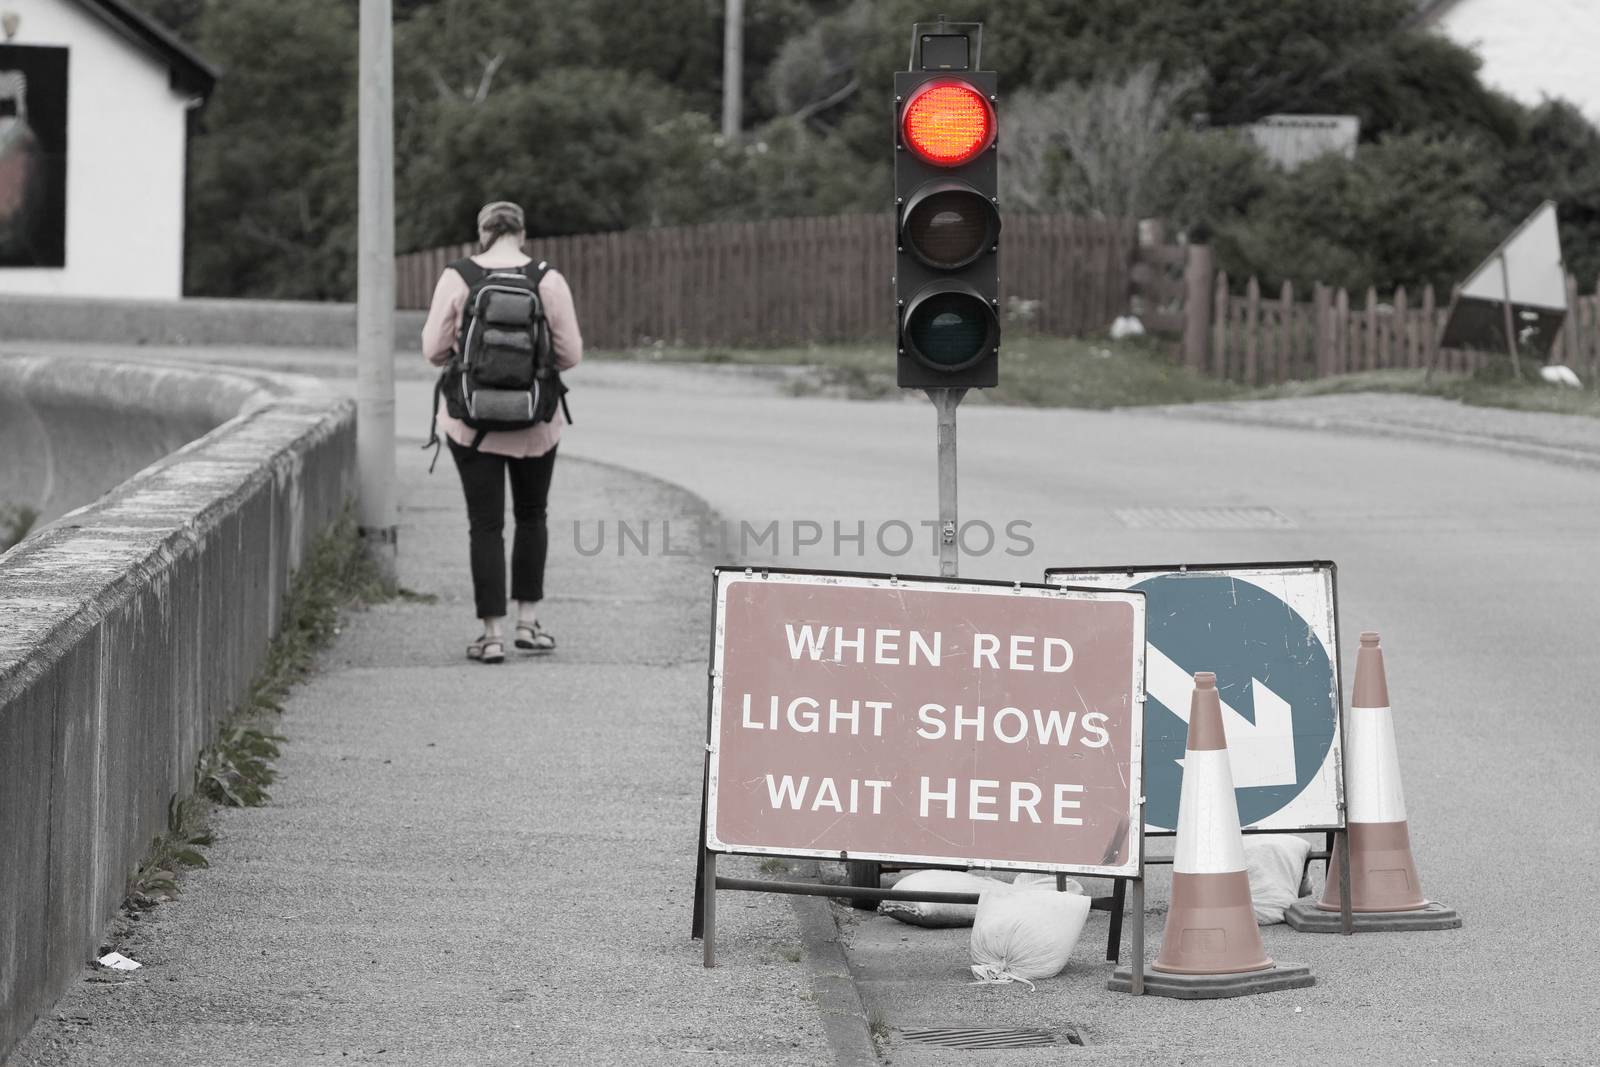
1197 288
1285 330
1341 323
1252 321
1590 342
1569 325
1404 354
1323 325
1369 355
1219 326
1430 333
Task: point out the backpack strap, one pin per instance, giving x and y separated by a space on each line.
433 441
535 272
470 272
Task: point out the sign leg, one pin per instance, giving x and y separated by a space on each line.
697 923
708 894
1136 960
1119 891
700 860
1347 922
1511 325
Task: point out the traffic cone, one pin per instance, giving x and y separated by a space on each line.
1211 946
1385 892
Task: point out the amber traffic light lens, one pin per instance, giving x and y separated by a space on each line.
949 226
947 123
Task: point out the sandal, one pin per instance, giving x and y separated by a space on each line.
533 638
487 649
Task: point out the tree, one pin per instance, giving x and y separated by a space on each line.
1407 210
272 166
579 149
1208 180
1556 157
1092 148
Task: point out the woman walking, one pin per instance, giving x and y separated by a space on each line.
486 461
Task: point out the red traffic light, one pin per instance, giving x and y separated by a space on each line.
947 123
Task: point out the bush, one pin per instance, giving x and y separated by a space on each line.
1406 211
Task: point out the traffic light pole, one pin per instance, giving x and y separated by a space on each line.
945 402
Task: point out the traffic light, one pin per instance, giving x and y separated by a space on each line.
947 216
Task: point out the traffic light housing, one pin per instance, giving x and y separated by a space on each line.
947 216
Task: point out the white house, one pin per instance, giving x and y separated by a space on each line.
94 108
1531 49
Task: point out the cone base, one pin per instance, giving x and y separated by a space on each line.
1383 876
1211 927
1214 986
1311 918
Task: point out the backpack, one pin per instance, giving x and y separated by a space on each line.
502 374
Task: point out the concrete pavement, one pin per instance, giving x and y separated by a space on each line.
1476 564
465 864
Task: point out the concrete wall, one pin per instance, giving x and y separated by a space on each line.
193 321
68 453
126 140
128 630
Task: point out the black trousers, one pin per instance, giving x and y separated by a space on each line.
483 480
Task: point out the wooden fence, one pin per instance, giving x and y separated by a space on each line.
1260 338
795 281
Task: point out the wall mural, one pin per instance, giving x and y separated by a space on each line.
33 156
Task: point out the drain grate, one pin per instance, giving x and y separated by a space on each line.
969 1037
1240 518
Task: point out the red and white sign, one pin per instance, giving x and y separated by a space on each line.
926 721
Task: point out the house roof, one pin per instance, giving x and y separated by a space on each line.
190 71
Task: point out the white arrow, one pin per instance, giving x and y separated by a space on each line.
1260 752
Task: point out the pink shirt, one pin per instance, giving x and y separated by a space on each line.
439 335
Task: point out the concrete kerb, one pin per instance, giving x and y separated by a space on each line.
838 1000
1260 413
131 626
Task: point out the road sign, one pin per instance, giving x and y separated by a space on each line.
1270 633
926 721
1517 298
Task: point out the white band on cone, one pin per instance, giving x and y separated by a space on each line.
1373 767
1208 817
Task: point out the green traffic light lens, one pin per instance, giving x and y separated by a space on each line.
951 330
950 227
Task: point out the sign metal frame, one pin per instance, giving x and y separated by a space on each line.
1065 575
707 881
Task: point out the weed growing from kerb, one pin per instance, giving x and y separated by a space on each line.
235 770
16 522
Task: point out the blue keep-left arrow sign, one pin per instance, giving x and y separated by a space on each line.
1269 634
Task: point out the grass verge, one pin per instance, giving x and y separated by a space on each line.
1486 389
1036 371
1041 371
236 769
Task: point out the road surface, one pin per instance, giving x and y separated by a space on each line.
1478 567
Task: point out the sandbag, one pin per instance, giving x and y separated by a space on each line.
1022 935
1274 863
922 913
